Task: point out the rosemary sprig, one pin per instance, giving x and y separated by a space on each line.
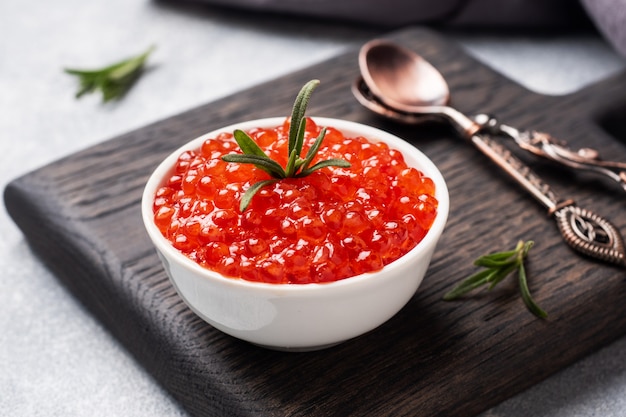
296 165
498 266
113 80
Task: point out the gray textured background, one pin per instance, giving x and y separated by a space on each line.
55 359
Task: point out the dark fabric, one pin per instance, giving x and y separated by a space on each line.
610 19
608 15
520 13
397 13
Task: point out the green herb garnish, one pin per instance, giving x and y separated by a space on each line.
497 266
114 80
296 166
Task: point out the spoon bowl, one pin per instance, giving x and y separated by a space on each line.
400 78
399 84
367 99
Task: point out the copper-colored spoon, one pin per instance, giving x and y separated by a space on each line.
401 85
405 82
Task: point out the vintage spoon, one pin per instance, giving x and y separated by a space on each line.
582 229
404 81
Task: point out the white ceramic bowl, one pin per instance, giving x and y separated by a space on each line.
299 316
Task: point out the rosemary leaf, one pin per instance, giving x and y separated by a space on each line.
528 299
266 164
291 164
527 247
300 137
500 273
497 267
487 262
323 164
474 281
498 256
298 111
247 145
250 192
114 80
313 150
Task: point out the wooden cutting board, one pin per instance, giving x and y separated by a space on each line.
434 358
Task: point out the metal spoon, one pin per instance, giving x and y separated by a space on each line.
405 82
393 86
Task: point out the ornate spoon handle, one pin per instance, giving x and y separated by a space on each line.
582 229
549 147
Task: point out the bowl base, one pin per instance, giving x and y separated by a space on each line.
298 349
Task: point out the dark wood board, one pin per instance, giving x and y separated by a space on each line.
434 358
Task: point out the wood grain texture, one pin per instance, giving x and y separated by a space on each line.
81 216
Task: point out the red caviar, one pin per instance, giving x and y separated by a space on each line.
332 224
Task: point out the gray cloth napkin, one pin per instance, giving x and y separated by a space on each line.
403 12
609 16
610 19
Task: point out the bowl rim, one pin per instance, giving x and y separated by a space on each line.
371 133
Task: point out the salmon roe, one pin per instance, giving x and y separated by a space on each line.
330 225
